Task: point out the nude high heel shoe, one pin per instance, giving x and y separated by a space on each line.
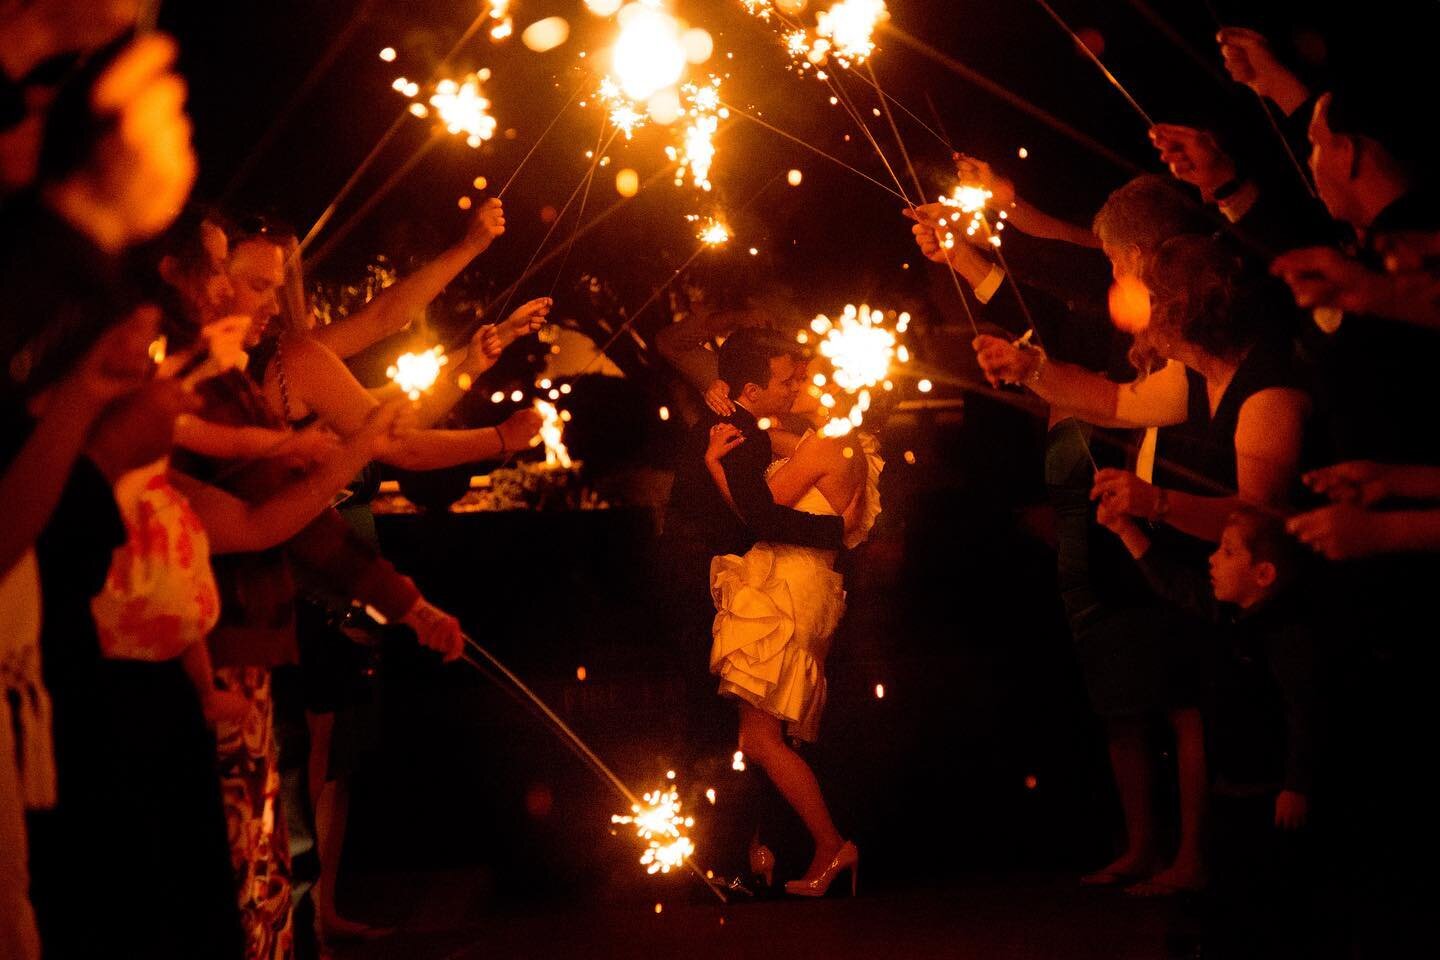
846 858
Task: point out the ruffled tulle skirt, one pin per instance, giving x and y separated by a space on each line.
777 608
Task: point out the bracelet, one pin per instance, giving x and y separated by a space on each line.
501 437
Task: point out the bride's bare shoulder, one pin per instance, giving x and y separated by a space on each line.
827 453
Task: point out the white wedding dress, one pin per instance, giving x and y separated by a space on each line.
777 608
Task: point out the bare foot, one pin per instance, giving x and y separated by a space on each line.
1182 876
1130 866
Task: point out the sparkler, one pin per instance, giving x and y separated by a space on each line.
712 233
461 106
844 33
491 665
850 27
697 151
971 201
649 55
861 351
503 25
416 373
659 822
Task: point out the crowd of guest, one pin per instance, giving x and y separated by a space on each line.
1237 372
174 435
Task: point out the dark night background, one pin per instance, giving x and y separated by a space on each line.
953 606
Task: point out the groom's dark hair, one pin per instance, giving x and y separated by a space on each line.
745 356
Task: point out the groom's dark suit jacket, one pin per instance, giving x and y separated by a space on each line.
698 514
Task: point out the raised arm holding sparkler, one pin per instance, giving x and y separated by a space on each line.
399 305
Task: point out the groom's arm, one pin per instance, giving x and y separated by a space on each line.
745 472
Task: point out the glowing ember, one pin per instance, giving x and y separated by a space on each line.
626 119
665 831
759 8
879 691
503 24
416 373
970 201
461 106
861 351
552 433
712 233
697 151
850 27
649 54
738 761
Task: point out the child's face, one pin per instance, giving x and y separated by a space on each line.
1232 570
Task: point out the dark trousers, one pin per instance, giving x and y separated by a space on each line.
134 861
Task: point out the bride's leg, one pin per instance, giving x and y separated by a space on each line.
763 741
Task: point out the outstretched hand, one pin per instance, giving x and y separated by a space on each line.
1250 60
527 318
119 362
1325 277
1004 362
976 172
1122 493
435 629
520 429
1194 157
382 425
1342 531
487 224
1358 481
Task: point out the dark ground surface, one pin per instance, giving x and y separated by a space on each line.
1018 917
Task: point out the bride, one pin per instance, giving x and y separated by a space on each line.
777 608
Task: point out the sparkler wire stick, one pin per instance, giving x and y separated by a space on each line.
895 131
655 295
814 149
544 261
920 191
1155 20
585 180
536 145
381 192
374 153
1098 63
580 214
1015 100
306 87
844 100
1269 116
491 662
